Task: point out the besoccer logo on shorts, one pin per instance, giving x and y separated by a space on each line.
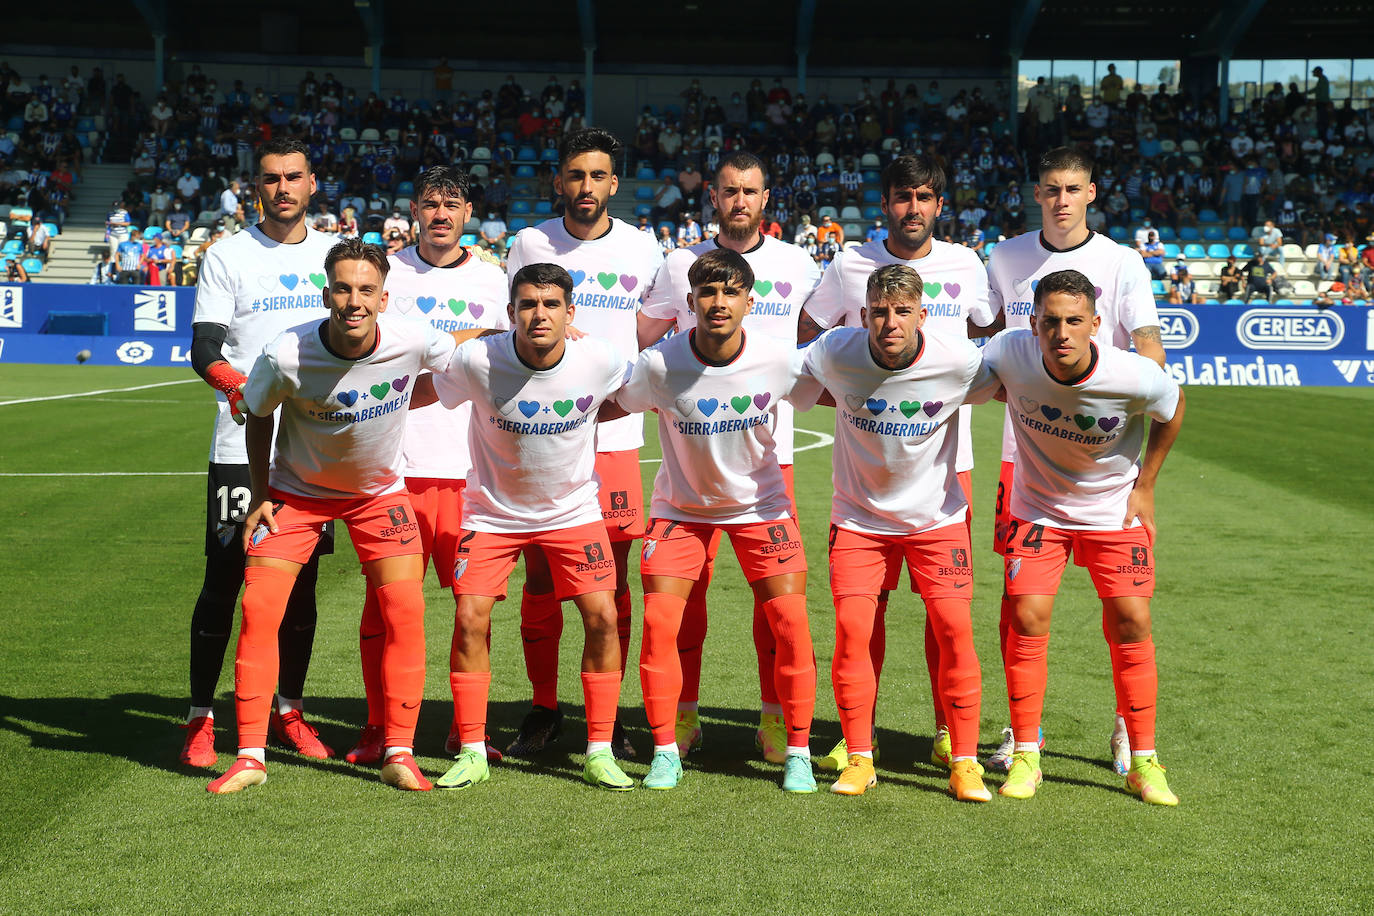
134 352
777 533
620 499
398 517
593 552
1140 556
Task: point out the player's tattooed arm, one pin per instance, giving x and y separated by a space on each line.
258 440
1148 342
807 329
1142 501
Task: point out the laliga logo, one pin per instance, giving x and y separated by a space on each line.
1287 329
1178 328
134 351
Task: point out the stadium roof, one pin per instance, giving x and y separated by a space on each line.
752 36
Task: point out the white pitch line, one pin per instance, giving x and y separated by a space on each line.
86 394
108 474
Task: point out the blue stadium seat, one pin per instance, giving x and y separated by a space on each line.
987 249
1237 234
151 231
543 207
524 171
372 238
1214 234
644 192
873 212
424 104
1118 233
405 189
1188 234
1194 251
527 154
1284 302
13 246
15 123
549 154
83 141
54 230
467 239
872 176
1242 250
506 136
643 210
1208 216
1137 214
84 125
520 206
523 189
33 266
1171 250
645 173
1158 287
666 172
1218 250
517 224
1233 302
1167 234
872 195
177 251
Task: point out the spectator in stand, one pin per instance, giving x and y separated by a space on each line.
1153 253
1326 258
666 241
877 232
1143 233
974 240
667 204
1183 290
498 195
325 220
689 233
178 222
159 205
830 233
804 229
770 226
104 272
1111 87
1229 279
117 225
131 259
396 222
1259 278
160 261
348 223
231 207
1348 261
1271 241
14 270
492 234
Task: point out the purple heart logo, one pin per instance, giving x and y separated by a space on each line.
932 407
400 383
784 288
1051 413
952 290
707 405
584 402
577 276
629 282
1097 292
347 398
426 304
761 400
475 310
876 405
529 408
1108 423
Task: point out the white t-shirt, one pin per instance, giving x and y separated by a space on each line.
955 292
1078 446
471 294
716 425
897 433
610 276
533 435
1125 299
256 288
342 420
784 276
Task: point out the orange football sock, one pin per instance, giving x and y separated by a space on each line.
1027 666
1133 666
932 646
1004 624
877 645
402 607
541 627
660 670
601 694
766 650
691 636
624 614
255 662
960 677
470 690
1116 668
851 670
371 634
795 668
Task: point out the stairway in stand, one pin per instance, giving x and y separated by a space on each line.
73 254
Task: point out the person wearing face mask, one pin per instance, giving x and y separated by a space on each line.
177 223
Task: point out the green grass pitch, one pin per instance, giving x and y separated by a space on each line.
1262 619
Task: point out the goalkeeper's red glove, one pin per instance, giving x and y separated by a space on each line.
224 377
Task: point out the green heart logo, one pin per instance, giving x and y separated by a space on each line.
1083 422
562 407
763 287
932 290
379 391
607 280
741 403
457 306
909 408
319 280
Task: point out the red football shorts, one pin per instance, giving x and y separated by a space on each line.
1120 561
622 494
680 549
380 526
1002 517
940 562
579 559
791 493
438 506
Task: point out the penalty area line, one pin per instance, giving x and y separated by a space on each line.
105 474
87 394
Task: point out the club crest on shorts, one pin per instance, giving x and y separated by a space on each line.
1013 568
649 548
260 534
460 566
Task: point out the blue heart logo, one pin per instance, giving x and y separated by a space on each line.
347 398
577 276
529 408
876 406
1051 413
289 280
425 303
1034 284
707 405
